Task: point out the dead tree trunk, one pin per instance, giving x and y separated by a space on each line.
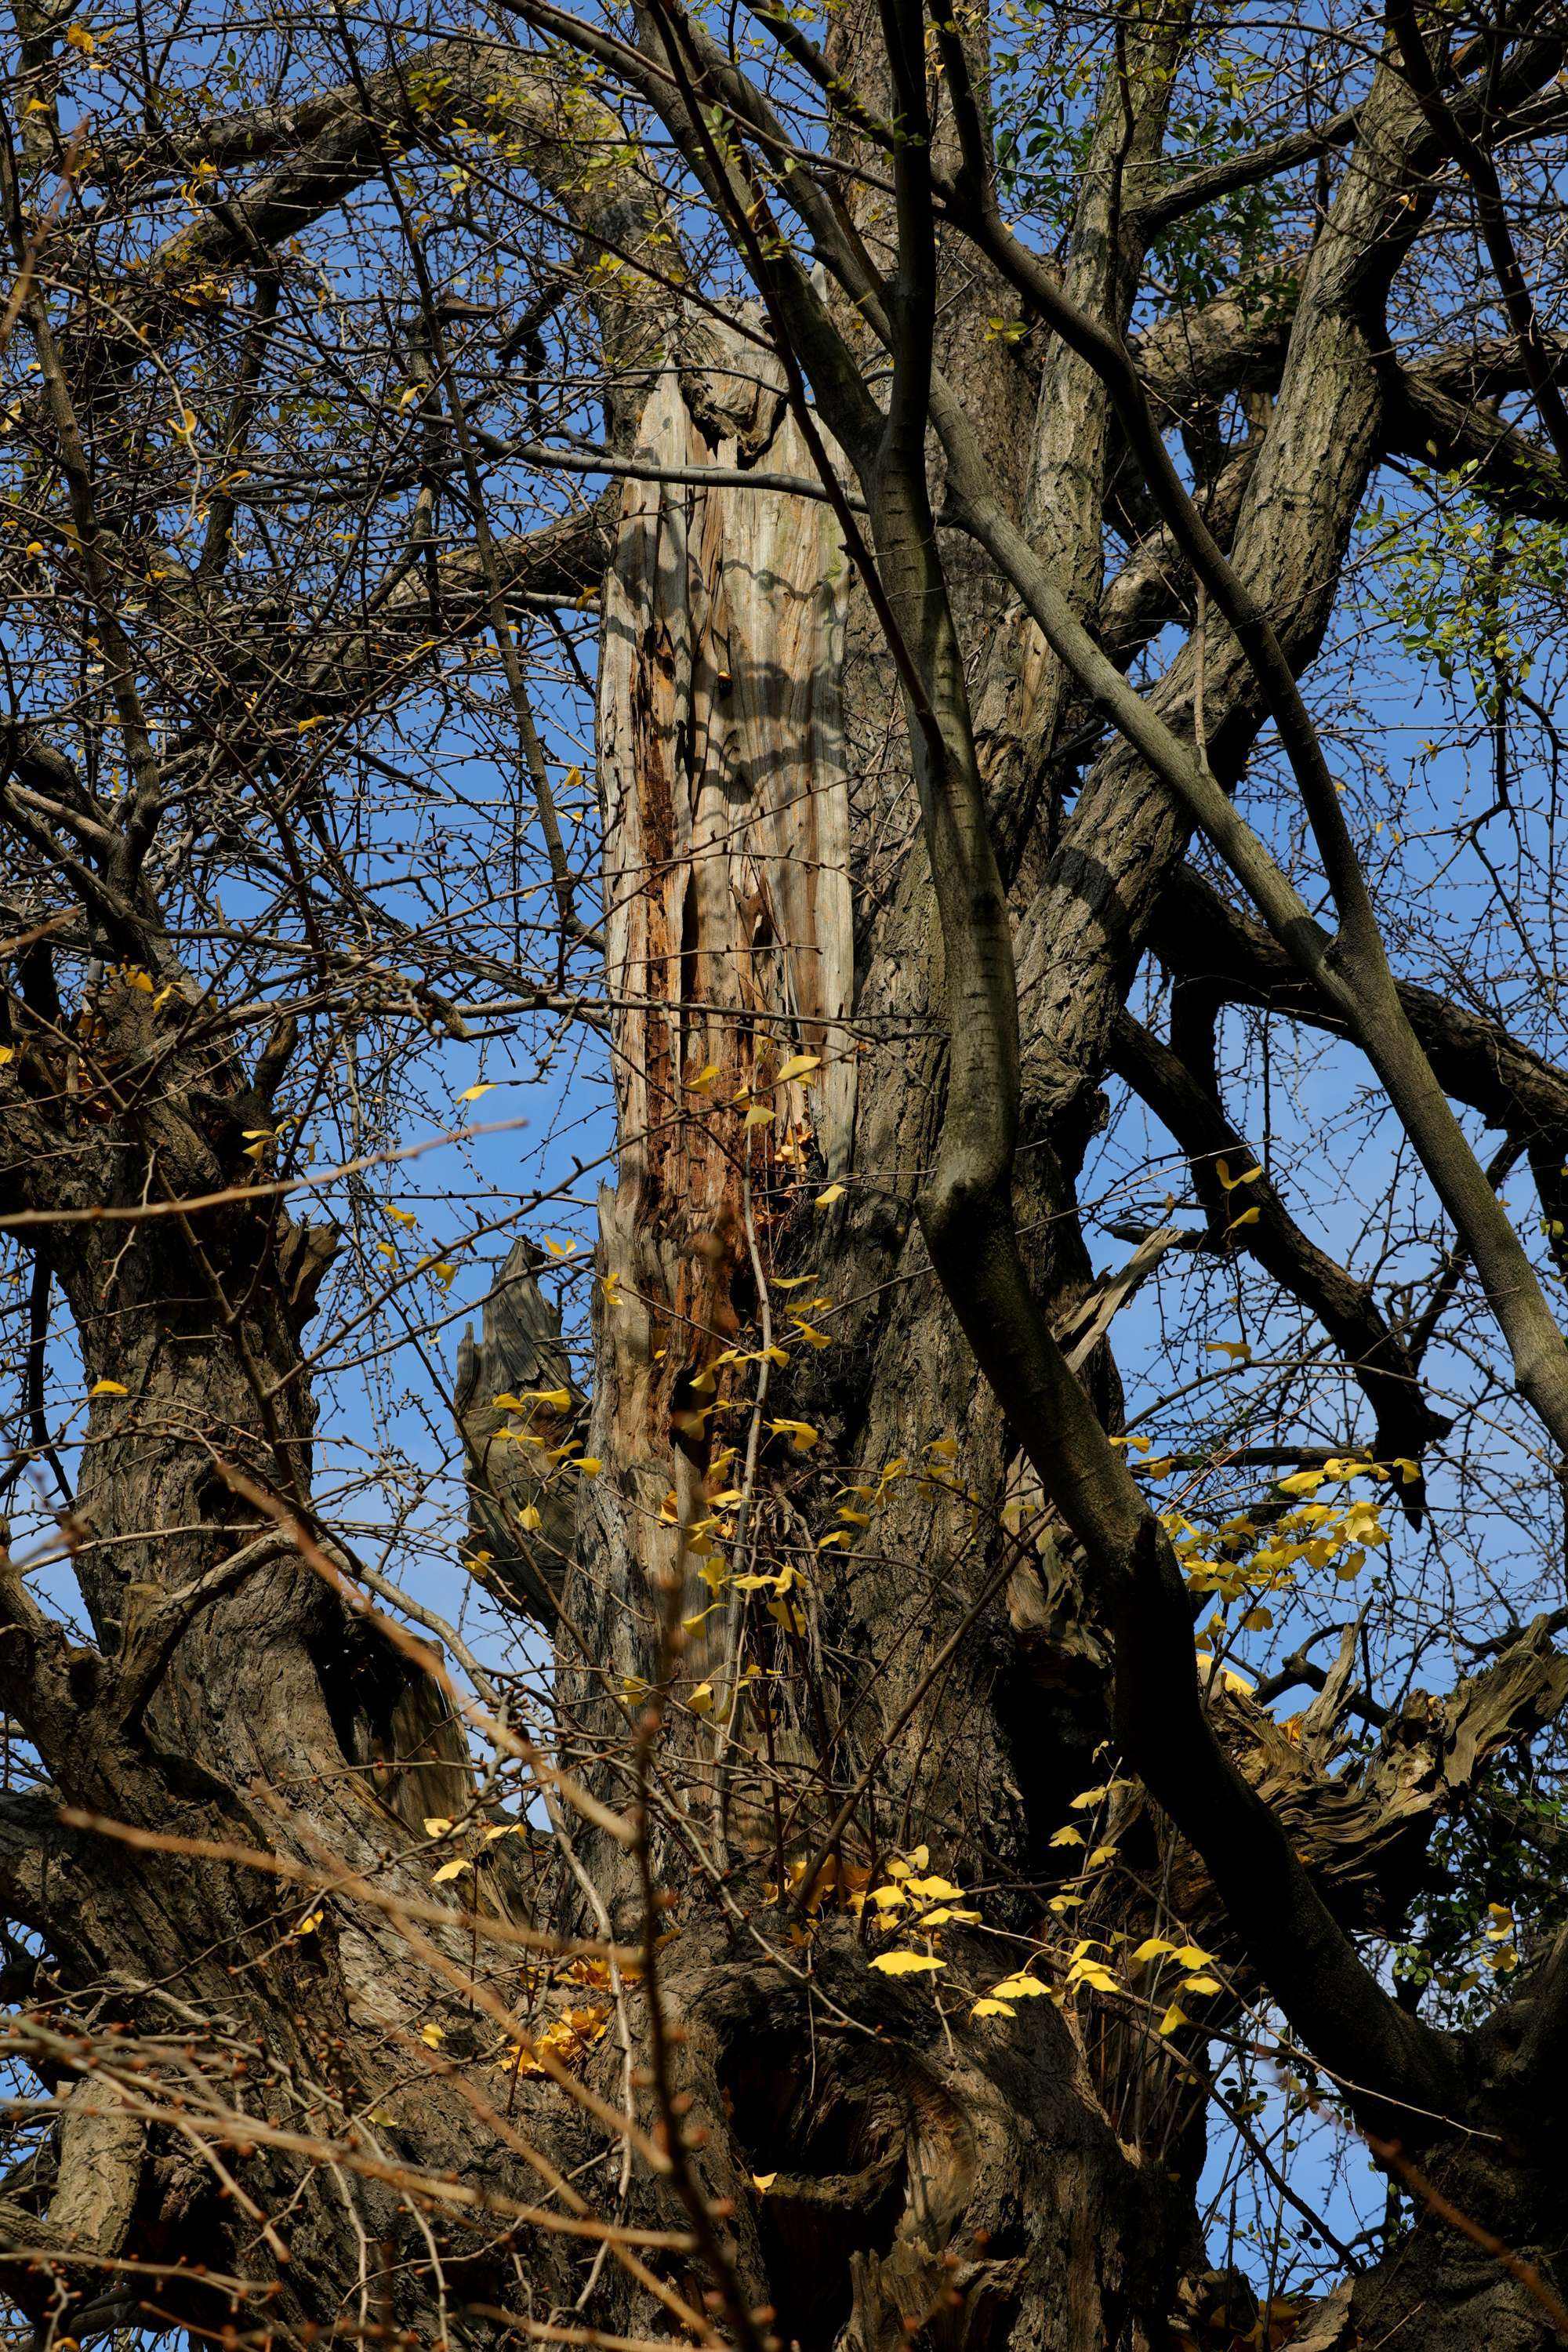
769 1340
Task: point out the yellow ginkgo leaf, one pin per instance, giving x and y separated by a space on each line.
1092 1973
484 1086
1087 1797
764 2180
906 1964
1019 1988
701 1698
7 1053
1175 2015
1152 1948
1191 1955
558 1400
825 1200
809 1333
1247 1175
801 1433
799 1066
1067 1837
1202 1984
528 1519
988 2008
931 1890
433 2035
760 1115
109 1388
1239 1350
589 1465
449 1870
702 1080
1247 1217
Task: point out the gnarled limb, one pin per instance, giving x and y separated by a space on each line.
1375 1354
1363 1826
333 146
1200 935
1436 426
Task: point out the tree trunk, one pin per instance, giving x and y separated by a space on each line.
229 1696
910 1665
919 2176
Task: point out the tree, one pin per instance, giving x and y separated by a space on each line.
838 1868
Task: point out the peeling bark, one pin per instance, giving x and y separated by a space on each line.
728 927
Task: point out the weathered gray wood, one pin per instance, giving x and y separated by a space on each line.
727 909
